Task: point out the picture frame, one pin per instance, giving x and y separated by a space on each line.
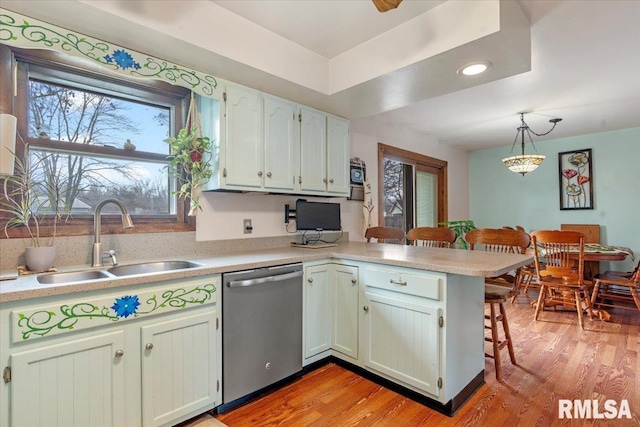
576 179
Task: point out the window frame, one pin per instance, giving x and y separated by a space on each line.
64 70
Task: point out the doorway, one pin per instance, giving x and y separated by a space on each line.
412 189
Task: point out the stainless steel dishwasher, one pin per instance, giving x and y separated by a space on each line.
261 330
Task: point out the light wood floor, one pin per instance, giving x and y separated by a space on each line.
556 360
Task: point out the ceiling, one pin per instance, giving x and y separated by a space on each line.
328 28
585 66
577 60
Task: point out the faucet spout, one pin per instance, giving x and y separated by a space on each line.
126 223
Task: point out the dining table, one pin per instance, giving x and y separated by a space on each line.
594 253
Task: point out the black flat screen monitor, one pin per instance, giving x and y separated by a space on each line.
317 216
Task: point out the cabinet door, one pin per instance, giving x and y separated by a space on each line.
180 367
313 151
77 383
338 152
244 143
345 316
317 309
281 162
401 339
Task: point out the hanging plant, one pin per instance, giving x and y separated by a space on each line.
190 165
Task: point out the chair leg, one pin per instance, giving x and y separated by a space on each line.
579 308
507 334
594 294
636 297
543 290
495 341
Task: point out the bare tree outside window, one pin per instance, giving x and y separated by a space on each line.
87 119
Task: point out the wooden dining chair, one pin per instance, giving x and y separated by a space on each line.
498 289
385 234
526 275
433 237
617 290
561 278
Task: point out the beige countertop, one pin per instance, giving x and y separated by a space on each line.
454 261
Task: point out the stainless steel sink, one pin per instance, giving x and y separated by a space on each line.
151 267
75 276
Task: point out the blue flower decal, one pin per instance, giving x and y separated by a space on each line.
126 306
122 59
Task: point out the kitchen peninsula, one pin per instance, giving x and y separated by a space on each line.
407 315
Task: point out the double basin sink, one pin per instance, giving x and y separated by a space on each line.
117 271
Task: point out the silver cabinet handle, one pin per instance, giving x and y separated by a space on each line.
398 282
119 353
324 180
353 281
365 308
331 180
310 280
148 346
268 174
259 173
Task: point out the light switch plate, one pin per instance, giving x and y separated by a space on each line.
246 225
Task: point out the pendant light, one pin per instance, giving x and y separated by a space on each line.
525 163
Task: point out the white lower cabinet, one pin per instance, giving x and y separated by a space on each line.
76 383
345 310
146 355
402 319
330 310
402 339
316 309
179 374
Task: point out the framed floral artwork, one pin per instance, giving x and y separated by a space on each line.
576 179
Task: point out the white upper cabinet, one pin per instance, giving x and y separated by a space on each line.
313 151
338 155
265 143
281 144
243 147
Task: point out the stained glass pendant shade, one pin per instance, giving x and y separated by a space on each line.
525 163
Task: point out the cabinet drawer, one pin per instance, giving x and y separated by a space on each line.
406 281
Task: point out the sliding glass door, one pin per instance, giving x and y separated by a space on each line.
412 189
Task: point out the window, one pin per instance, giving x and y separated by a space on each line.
412 189
100 137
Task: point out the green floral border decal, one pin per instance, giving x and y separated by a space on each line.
39 323
21 31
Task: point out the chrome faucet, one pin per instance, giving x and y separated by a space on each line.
97 246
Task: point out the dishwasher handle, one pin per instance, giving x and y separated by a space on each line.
262 280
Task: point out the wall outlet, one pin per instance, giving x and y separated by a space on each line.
246 225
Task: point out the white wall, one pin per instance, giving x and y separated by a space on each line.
223 213
367 133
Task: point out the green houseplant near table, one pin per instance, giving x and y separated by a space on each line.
460 228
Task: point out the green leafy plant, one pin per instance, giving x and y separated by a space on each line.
29 199
460 228
190 164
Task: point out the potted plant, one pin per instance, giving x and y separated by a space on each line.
190 164
460 228
26 202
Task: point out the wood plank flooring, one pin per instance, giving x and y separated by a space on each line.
556 360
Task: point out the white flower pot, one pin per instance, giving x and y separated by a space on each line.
40 259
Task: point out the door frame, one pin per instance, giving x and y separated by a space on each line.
414 159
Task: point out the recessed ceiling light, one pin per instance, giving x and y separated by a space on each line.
473 68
